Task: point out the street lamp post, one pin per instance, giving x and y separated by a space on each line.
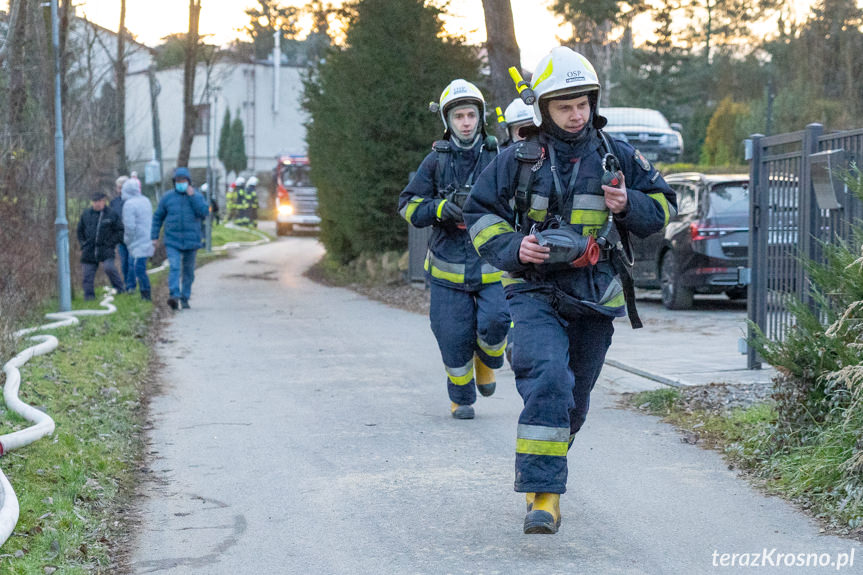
61 224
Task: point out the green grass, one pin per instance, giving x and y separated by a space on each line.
72 486
812 474
223 235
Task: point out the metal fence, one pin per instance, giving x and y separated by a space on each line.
796 202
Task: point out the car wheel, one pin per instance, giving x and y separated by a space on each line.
674 294
736 293
283 229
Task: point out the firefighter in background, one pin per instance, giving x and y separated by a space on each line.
517 115
232 198
252 201
468 313
239 207
563 288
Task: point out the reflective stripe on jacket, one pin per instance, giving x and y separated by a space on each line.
490 217
452 260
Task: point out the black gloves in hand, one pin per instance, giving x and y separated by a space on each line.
449 212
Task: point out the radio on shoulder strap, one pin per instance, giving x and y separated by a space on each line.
529 155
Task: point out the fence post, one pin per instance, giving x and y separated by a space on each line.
809 213
756 301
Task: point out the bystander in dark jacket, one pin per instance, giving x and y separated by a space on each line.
100 229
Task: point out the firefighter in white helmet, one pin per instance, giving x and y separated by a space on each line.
552 211
468 313
517 115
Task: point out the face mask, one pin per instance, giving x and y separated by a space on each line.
182 187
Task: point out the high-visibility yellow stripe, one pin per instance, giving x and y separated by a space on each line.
506 280
411 207
491 231
548 71
460 375
590 230
440 209
662 201
537 215
491 278
441 274
588 217
616 301
537 447
492 350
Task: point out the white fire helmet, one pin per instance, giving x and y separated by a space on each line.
563 71
517 113
461 92
252 181
240 182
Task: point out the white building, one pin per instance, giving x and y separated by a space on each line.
270 110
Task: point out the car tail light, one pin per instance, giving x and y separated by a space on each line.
697 232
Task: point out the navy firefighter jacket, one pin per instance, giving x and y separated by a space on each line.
490 215
452 260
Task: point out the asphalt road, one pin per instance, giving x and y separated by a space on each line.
304 429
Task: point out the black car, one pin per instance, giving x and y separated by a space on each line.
647 130
701 249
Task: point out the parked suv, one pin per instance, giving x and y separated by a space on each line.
296 198
647 130
702 247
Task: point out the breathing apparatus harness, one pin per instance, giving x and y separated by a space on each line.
569 249
457 193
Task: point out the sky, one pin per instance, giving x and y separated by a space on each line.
536 28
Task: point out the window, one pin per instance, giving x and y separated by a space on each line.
202 119
686 201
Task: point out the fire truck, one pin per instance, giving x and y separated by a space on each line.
296 198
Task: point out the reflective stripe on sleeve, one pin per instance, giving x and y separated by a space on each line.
407 212
488 227
667 208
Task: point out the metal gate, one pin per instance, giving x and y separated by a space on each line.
796 202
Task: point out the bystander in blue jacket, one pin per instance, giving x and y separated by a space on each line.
182 210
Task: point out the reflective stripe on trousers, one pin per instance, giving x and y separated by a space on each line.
459 319
556 366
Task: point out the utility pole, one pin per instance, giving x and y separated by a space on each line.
155 89
208 235
61 224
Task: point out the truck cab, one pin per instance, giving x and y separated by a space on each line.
296 198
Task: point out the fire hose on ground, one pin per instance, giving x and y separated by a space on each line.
43 424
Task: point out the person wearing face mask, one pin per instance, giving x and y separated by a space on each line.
546 211
182 211
468 313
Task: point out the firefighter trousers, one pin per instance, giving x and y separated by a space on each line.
467 323
556 364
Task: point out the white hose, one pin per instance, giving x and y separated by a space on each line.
43 424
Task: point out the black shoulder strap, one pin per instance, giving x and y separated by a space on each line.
443 149
528 153
621 253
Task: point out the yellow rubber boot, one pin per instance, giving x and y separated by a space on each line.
485 382
528 499
544 517
461 411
